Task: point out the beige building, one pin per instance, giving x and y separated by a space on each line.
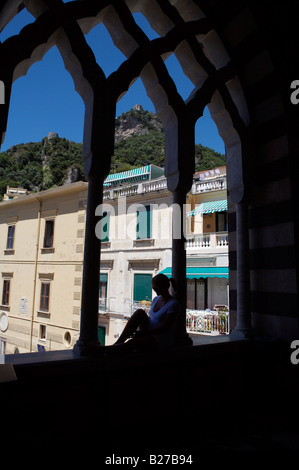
41 255
41 268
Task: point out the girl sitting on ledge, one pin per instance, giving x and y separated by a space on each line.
155 331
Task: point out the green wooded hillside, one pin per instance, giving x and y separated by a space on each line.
55 160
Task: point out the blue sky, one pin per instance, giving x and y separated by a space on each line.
45 99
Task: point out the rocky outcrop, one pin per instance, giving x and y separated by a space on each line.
73 175
137 121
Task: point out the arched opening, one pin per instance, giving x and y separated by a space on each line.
207 266
201 60
43 102
106 54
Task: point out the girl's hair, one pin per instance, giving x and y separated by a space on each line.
161 279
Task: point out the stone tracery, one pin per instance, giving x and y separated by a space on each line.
184 30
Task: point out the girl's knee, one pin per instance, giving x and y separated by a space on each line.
140 311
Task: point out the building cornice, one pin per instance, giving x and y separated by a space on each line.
47 194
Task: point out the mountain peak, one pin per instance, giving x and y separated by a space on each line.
138 107
136 121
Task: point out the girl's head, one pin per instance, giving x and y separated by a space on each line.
160 284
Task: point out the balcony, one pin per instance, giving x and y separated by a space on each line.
134 189
160 184
208 322
207 240
217 184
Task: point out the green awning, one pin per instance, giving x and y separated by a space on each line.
131 176
201 272
209 207
127 176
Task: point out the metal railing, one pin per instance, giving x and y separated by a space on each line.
197 321
144 304
205 321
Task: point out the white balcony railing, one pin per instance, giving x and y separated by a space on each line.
208 240
206 321
206 186
137 188
154 185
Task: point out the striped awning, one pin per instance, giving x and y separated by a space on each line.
127 176
201 272
209 207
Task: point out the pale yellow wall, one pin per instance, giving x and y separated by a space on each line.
63 266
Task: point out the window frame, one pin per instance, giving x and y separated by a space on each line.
6 292
219 215
144 234
144 276
192 293
103 284
10 248
42 332
45 245
43 297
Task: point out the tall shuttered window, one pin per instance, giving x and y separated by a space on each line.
49 234
142 287
10 237
221 222
44 296
5 292
197 294
144 223
103 291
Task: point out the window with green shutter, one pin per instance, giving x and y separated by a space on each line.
142 287
144 223
103 292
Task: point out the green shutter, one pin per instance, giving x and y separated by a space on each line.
144 223
105 227
101 334
103 291
142 287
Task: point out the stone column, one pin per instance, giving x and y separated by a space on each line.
88 340
244 327
179 259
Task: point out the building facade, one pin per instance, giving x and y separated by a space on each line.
41 265
42 237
